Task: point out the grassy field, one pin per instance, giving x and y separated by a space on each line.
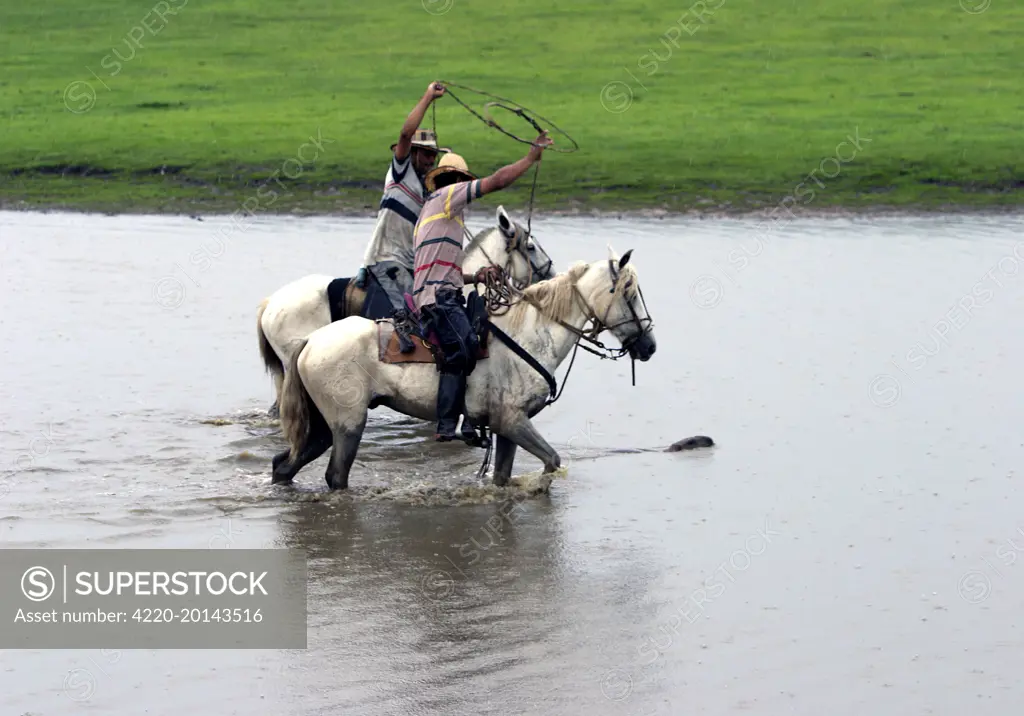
191 105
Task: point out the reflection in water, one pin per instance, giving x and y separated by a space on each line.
424 599
449 610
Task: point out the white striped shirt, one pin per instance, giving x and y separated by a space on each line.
399 209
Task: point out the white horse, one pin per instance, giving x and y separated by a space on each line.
297 309
335 376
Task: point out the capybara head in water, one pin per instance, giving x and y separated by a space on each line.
697 441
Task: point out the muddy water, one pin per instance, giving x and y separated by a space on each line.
849 547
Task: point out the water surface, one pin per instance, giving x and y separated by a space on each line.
849 546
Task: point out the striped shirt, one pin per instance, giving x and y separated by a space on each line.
396 218
438 241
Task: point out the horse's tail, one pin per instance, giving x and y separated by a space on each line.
271 361
295 406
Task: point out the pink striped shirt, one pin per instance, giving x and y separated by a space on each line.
437 241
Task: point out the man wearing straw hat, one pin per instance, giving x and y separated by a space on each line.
389 255
439 280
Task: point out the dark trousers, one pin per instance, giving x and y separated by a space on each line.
459 345
395 279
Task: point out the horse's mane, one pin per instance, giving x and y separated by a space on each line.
479 238
483 234
553 298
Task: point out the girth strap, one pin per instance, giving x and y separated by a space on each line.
530 360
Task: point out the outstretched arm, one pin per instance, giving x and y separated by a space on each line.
412 122
508 174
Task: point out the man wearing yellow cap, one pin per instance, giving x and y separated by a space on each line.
437 289
389 256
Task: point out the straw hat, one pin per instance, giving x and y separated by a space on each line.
424 139
450 163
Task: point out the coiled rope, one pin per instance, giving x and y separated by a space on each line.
510 106
521 112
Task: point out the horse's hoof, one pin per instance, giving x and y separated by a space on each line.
334 482
552 467
278 459
274 412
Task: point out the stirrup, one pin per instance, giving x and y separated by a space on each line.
405 344
405 333
480 440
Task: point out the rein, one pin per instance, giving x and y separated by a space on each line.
589 335
500 293
598 326
530 360
584 334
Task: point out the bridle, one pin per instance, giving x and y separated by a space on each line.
526 237
520 246
643 325
500 292
598 325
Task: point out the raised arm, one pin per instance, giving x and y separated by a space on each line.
498 181
508 174
412 122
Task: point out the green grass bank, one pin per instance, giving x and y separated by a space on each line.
192 105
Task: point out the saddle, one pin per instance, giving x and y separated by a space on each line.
428 347
345 298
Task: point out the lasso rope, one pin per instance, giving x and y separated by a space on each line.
499 295
499 292
520 111
510 106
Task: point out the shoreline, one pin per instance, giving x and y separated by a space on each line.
588 212
164 196
248 194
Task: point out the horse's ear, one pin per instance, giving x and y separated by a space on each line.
612 260
625 259
505 223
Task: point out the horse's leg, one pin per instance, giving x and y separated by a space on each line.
275 410
317 444
504 455
346 444
523 434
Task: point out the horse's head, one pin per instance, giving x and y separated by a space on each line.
524 250
509 247
613 294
